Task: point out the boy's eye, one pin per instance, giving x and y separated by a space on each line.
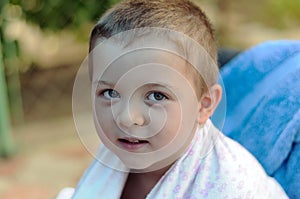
110 94
157 96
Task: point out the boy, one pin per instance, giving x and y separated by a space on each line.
153 72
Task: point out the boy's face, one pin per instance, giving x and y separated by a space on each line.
145 106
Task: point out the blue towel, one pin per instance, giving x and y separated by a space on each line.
263 108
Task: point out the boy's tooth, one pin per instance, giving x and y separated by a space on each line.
133 140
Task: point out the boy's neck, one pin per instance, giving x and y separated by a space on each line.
138 185
154 175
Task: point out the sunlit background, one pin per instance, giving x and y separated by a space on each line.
42 44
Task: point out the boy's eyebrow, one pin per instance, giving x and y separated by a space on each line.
104 82
162 84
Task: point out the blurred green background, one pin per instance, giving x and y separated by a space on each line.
42 44
41 36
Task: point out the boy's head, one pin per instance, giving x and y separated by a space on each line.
182 16
147 95
178 15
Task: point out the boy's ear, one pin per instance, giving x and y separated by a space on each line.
209 102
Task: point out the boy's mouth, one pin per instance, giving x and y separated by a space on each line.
132 141
132 144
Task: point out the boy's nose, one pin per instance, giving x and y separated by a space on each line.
130 116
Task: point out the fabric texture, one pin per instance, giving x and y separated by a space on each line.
263 108
226 171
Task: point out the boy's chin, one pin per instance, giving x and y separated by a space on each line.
136 165
138 162
148 162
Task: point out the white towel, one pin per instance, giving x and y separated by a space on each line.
227 171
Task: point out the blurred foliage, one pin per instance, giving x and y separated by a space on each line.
276 14
280 13
57 14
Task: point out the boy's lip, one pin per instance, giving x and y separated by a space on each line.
132 144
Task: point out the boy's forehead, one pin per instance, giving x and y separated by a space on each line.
134 48
115 57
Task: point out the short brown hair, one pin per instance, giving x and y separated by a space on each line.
178 15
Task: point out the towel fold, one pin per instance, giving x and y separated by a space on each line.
263 108
226 171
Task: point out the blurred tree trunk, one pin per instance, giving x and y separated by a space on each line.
6 143
11 63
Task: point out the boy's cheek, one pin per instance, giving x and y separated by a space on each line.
103 117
